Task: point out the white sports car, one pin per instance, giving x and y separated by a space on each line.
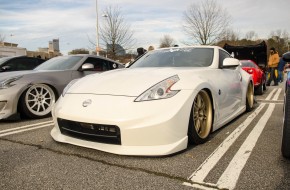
164 100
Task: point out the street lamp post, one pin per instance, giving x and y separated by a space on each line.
97 26
106 16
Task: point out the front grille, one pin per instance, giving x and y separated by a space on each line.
109 134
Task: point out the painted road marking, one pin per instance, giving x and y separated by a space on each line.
275 98
203 170
230 177
25 128
271 94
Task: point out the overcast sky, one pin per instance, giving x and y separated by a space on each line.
32 23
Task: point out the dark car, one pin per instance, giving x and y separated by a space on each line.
286 119
19 63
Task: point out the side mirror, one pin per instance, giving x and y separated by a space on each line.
230 62
286 56
87 67
5 68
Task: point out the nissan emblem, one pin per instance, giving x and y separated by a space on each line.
87 102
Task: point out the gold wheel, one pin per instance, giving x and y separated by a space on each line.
250 97
202 114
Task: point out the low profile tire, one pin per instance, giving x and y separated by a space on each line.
260 89
265 86
201 117
250 97
37 101
285 148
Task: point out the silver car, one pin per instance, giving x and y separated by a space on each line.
33 93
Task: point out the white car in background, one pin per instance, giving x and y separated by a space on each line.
164 100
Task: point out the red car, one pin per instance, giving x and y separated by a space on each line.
258 75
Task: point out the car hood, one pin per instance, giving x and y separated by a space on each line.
126 82
7 75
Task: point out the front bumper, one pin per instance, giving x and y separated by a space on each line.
152 128
8 101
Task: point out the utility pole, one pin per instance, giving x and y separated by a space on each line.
97 30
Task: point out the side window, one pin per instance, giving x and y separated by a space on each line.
99 64
13 64
113 65
222 56
30 63
19 64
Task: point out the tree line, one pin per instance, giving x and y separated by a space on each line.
205 23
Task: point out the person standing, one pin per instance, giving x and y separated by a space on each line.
140 52
281 66
273 65
150 48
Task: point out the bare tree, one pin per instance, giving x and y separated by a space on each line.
251 35
166 41
206 22
2 38
280 40
115 32
79 51
229 35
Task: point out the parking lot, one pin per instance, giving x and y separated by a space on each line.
244 154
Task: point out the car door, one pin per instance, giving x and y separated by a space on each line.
230 81
100 65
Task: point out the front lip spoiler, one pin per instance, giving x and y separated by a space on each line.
159 150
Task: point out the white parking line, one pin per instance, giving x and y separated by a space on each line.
204 186
25 128
203 170
271 94
229 178
277 94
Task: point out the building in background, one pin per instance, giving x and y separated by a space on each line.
8 49
53 45
47 52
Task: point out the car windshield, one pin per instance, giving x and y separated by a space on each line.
176 57
60 63
4 59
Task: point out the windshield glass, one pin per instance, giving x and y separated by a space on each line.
4 59
60 63
176 57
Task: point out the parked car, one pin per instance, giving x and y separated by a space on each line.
258 75
19 63
33 93
286 117
163 100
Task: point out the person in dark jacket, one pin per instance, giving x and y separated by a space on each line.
140 52
281 66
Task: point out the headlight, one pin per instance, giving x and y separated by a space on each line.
7 83
161 90
68 86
